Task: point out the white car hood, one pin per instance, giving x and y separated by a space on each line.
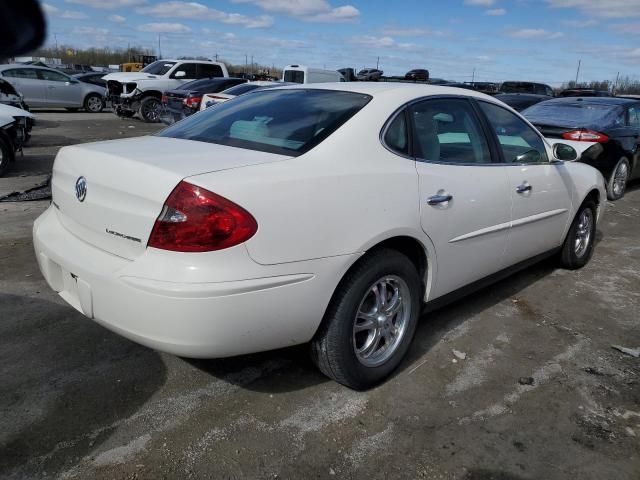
124 77
8 114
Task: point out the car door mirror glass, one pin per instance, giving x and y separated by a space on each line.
565 152
180 74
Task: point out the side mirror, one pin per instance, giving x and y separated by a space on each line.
180 74
23 27
564 152
530 156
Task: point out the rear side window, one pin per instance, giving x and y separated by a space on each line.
634 117
396 136
240 89
21 73
447 130
209 71
295 76
518 141
287 122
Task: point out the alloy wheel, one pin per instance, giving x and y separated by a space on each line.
381 320
620 179
94 104
151 111
583 232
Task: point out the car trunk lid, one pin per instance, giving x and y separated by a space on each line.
127 182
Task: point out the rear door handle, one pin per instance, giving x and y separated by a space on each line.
525 187
437 199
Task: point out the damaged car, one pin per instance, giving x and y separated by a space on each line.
141 92
13 134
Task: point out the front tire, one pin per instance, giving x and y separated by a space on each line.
150 109
617 183
579 243
93 103
370 321
6 155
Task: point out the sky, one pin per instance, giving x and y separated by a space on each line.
488 40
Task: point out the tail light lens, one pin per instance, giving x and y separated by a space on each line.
192 102
585 136
165 99
196 220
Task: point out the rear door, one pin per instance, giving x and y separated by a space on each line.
540 191
205 70
27 82
60 90
464 199
633 125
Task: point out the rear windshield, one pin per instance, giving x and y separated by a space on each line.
517 87
240 89
200 84
288 122
158 68
295 76
577 114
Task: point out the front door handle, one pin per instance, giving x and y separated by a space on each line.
437 199
525 187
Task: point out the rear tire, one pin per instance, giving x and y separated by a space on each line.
579 243
363 339
6 155
617 182
93 103
150 109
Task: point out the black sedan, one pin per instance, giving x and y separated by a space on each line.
521 101
185 100
610 125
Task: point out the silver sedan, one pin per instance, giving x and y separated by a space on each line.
46 87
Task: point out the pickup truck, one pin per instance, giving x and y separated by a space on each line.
141 92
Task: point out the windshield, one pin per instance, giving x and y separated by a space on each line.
288 122
295 76
577 114
158 68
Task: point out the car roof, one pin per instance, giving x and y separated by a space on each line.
613 101
23 65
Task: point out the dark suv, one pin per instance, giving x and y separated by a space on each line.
526 87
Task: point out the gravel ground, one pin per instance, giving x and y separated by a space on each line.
539 394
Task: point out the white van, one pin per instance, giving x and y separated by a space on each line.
304 74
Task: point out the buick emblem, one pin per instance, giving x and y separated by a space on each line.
81 188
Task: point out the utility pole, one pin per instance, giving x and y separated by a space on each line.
55 35
159 48
216 57
252 64
377 63
473 75
245 63
615 87
578 71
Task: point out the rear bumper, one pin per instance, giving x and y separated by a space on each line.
272 307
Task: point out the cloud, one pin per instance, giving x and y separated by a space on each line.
601 8
198 11
108 4
50 9
67 14
308 10
480 3
397 31
116 18
90 31
632 28
73 15
370 41
496 12
580 23
534 33
164 28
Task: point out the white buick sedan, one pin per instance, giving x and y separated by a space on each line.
326 213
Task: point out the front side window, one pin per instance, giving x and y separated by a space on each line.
28 73
158 68
190 70
446 130
287 122
396 137
53 76
519 142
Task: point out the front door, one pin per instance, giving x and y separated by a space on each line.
465 205
540 191
61 90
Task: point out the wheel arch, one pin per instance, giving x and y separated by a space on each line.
151 93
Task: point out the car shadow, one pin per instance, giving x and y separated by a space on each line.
66 383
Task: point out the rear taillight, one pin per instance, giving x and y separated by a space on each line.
165 99
196 220
585 136
192 102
